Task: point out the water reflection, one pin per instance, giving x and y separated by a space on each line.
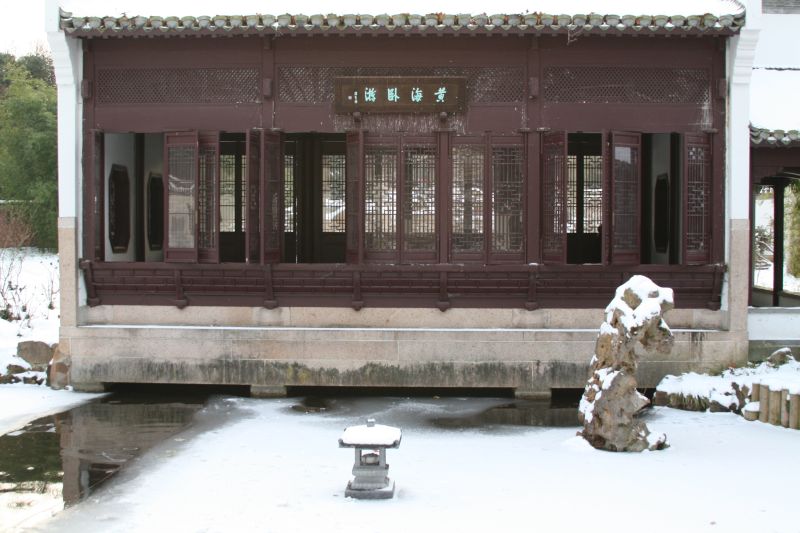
56 461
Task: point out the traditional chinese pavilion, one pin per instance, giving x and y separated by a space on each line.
417 200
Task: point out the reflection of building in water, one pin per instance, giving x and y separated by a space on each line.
97 439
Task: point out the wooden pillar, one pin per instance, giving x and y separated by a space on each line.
774 416
764 393
754 392
794 411
777 245
785 408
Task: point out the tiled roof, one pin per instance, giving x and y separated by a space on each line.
435 23
765 137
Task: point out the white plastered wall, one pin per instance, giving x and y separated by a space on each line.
68 64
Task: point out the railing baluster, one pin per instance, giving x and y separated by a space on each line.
270 302
92 300
180 297
358 300
444 298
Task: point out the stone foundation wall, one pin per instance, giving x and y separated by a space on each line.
526 359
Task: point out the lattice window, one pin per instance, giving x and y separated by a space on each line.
333 190
315 84
468 191
572 194
178 86
288 193
592 193
181 201
626 190
380 183
207 205
618 84
698 200
584 193
419 199
232 193
507 196
554 209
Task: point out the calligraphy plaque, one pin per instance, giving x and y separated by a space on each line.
400 94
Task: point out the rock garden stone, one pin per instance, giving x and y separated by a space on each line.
610 401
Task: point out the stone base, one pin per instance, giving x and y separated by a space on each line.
534 395
89 387
370 494
267 391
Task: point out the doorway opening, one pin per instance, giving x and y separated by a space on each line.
314 198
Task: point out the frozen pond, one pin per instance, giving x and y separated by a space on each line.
57 461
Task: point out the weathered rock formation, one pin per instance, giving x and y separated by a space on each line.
610 401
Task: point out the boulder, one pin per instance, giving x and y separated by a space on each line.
38 354
58 374
15 369
780 357
610 400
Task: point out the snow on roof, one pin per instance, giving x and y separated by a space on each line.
774 113
309 7
627 15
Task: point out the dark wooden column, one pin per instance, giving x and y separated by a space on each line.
778 184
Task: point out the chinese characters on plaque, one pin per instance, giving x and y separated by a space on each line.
410 94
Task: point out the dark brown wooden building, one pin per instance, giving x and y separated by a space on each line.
432 200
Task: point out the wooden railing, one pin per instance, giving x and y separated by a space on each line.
380 285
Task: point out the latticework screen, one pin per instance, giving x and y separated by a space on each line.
207 205
507 197
419 205
380 184
333 190
619 84
554 209
232 193
181 201
178 86
288 193
698 200
468 191
626 190
584 193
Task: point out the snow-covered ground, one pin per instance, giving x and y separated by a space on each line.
720 389
274 469
267 467
29 285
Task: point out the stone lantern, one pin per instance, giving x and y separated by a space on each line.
371 481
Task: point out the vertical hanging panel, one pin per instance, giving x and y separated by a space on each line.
626 195
419 199
253 188
697 198
93 218
273 197
554 197
181 162
467 198
353 204
380 202
507 199
208 199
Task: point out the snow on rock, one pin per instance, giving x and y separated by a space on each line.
610 400
729 390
